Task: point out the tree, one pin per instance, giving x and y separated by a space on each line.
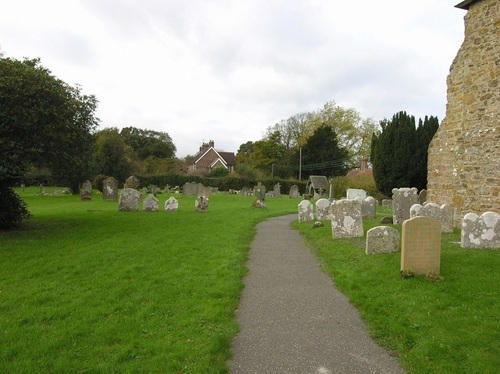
112 157
399 152
148 142
44 122
322 154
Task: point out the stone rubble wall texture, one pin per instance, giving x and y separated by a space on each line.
464 155
347 221
402 201
443 214
481 231
382 239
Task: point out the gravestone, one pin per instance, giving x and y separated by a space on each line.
132 182
171 205
129 200
369 207
480 231
294 192
353 193
402 200
421 245
201 204
186 189
110 189
204 191
347 221
443 214
306 213
150 203
422 196
42 190
382 239
323 209
244 191
166 189
277 190
387 203
259 192
86 191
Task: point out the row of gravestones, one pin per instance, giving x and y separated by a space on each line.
197 189
130 198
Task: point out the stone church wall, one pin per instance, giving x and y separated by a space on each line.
464 155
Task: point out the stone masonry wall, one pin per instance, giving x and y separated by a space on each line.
464 155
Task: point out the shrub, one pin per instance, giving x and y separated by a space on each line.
13 208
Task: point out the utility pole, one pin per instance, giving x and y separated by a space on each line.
300 164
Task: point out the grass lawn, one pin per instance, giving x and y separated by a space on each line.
447 325
85 288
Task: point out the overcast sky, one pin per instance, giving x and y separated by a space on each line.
226 70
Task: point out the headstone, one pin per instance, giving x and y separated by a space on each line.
277 190
129 200
86 191
323 212
259 192
331 190
201 204
42 190
259 204
244 191
422 196
369 207
402 200
387 203
382 239
167 189
150 203
132 182
481 231
306 213
204 191
294 192
443 214
171 205
347 221
353 193
110 189
421 245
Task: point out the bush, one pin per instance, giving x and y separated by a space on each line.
13 208
363 182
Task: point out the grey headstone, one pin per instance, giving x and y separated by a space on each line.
171 205
86 191
402 200
422 196
306 212
369 207
294 192
201 204
132 182
150 203
347 221
323 211
353 193
382 239
110 189
481 231
129 200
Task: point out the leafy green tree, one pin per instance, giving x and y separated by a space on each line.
44 122
112 157
399 152
218 172
268 152
148 142
322 154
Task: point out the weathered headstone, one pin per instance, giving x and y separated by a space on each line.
171 205
422 196
306 212
259 192
132 182
369 207
382 239
347 221
443 214
294 192
277 190
402 200
110 189
86 191
150 203
244 191
353 193
421 245
481 231
323 211
129 200
387 203
201 204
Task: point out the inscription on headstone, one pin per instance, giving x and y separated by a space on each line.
421 245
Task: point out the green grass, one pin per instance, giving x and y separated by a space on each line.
85 288
449 325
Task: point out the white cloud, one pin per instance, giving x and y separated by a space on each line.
226 70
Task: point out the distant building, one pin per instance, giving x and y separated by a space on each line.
362 171
208 159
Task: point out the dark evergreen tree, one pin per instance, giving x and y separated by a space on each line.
399 152
322 155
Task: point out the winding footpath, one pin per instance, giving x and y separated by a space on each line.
292 318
